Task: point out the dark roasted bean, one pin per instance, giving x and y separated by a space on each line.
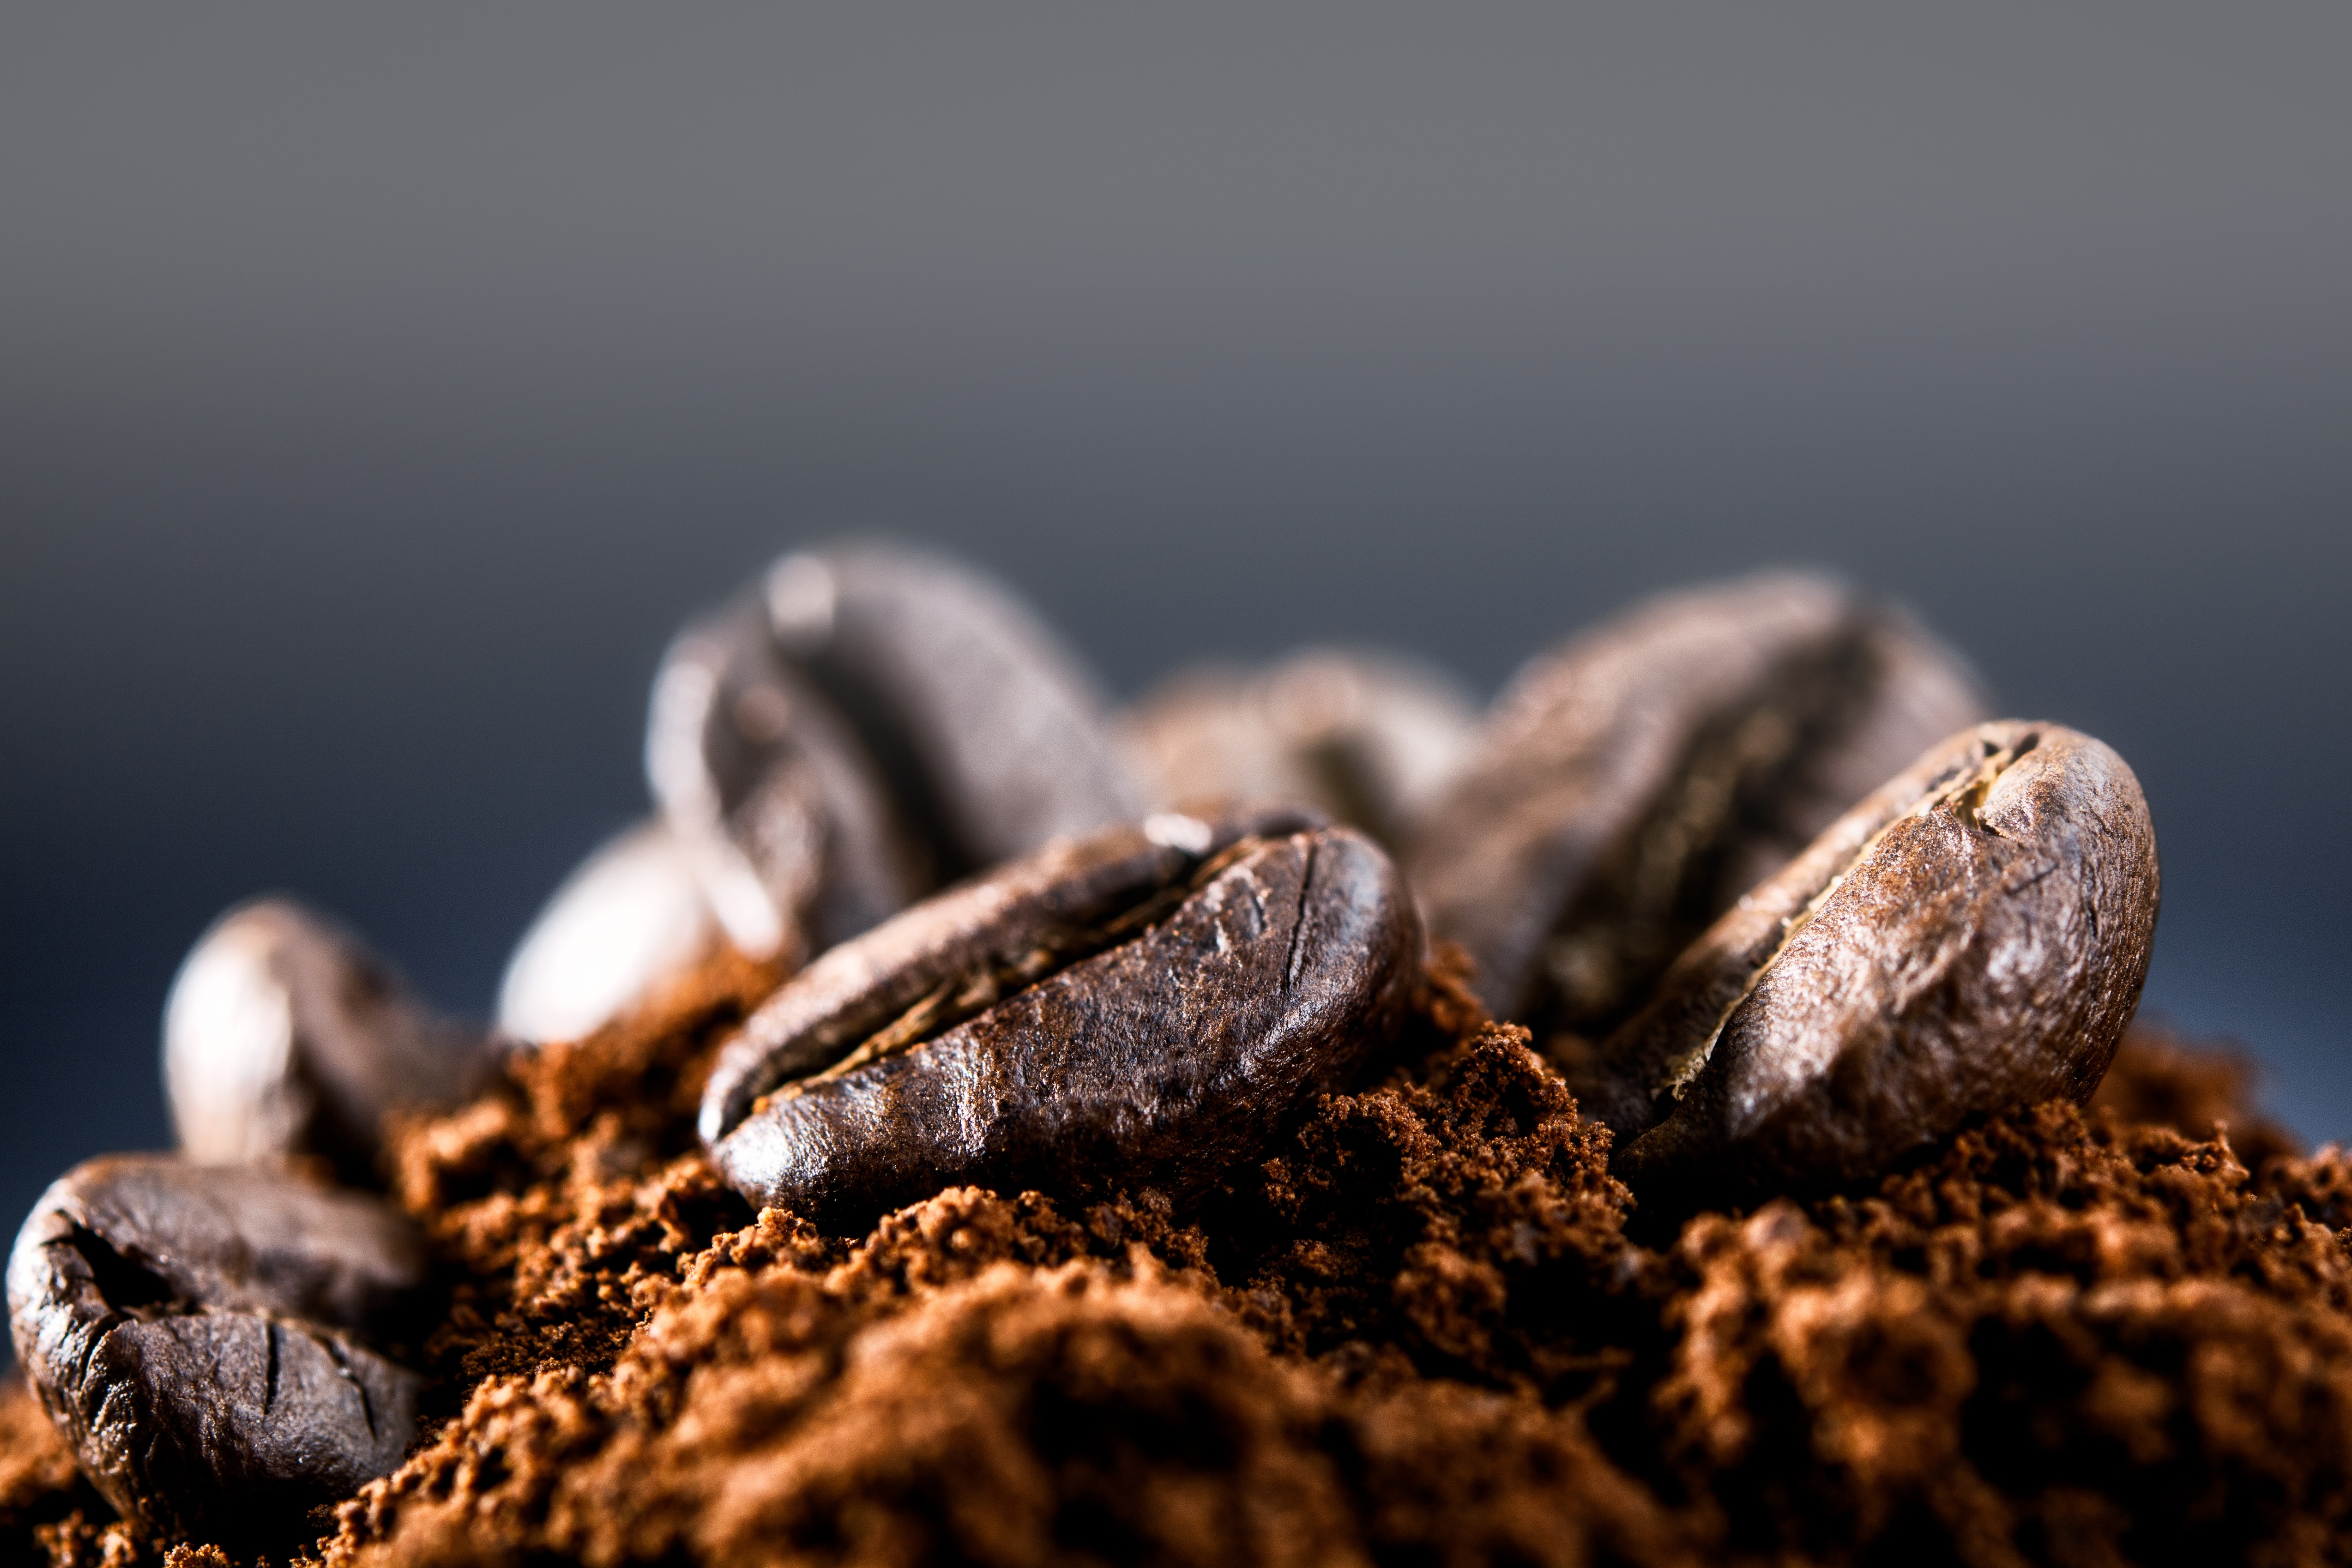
1368 737
284 1034
207 1338
1052 899
1633 783
770 796
989 730
1972 937
871 722
1146 1007
631 916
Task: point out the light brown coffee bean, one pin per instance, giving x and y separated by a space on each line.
285 1035
209 1338
1146 1007
632 917
1632 783
1368 737
1973 936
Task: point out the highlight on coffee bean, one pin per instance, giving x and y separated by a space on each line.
633 917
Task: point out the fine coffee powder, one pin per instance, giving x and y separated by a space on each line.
1433 1328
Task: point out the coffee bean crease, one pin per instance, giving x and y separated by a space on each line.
1208 998
211 1338
1972 936
1631 783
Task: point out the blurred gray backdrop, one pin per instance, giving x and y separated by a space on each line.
378 390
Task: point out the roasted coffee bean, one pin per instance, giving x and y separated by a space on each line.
1146 1007
1972 937
990 732
210 1339
1041 911
284 1034
633 916
1368 737
1632 783
871 722
769 794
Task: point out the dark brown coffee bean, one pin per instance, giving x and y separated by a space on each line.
208 1339
770 796
869 723
284 1034
633 916
1633 783
989 730
1972 937
1147 1008
1367 737
1047 905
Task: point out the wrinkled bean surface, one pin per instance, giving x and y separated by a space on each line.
285 1035
1633 783
1368 737
208 1338
1144 1008
1972 936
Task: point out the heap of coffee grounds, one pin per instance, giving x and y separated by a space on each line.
1432 1330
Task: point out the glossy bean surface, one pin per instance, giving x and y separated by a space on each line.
1631 783
1973 936
1142 1008
209 1338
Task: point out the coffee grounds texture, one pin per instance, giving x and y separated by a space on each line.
1431 1329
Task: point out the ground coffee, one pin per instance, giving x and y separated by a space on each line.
1431 1329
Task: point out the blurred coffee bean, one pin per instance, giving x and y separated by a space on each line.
209 1338
1368 737
631 916
284 1034
1972 937
770 796
1147 1008
989 730
872 722
1632 783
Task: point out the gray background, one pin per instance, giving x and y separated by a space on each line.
376 392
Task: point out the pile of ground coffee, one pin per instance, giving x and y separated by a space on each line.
1432 1330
